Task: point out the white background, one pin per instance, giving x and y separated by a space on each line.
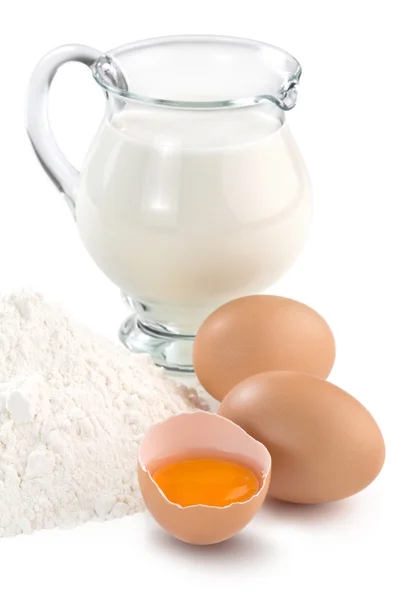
347 125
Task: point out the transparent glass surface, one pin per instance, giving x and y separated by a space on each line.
200 72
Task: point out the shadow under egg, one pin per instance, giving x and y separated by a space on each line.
311 514
241 551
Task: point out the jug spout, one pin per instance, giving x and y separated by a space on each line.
287 96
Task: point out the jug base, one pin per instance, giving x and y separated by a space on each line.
169 350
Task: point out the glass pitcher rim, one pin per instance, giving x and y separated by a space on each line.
284 98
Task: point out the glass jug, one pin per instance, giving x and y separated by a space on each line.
193 192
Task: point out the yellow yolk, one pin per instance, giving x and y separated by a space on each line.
208 481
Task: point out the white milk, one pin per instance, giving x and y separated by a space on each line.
185 210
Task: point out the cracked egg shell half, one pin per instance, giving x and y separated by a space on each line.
201 434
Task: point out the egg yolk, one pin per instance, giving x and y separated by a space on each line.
207 481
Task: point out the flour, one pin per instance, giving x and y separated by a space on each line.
73 410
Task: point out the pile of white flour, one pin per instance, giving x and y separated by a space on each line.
73 410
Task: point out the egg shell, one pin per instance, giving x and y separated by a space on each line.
205 432
255 334
324 444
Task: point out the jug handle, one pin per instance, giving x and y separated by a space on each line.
53 161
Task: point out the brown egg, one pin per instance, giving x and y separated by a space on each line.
255 334
324 444
195 434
